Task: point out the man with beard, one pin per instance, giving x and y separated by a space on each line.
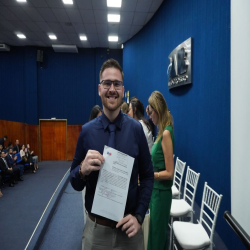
100 232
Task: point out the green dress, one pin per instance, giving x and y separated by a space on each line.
161 200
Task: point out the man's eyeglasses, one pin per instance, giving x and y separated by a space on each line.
107 84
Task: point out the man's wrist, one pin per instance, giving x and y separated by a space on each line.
82 177
139 218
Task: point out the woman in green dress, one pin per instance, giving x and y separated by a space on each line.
163 163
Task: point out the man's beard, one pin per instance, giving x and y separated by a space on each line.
109 106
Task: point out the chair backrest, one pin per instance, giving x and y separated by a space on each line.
178 173
18 157
209 209
190 186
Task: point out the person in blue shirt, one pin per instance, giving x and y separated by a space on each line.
100 232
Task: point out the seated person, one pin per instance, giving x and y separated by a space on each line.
2 140
34 157
27 158
6 169
16 148
11 159
1 148
1 184
10 145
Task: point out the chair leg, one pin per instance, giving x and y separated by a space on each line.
192 217
174 246
171 233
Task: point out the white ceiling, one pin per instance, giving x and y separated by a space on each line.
38 18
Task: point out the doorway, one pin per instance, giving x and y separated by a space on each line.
53 142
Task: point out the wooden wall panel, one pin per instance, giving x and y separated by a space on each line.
26 133
72 136
47 140
60 132
53 140
14 131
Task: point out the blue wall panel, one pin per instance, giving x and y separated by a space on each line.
65 87
12 87
201 111
30 85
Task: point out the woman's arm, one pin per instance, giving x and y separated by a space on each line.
167 149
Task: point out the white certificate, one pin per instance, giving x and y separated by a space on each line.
112 184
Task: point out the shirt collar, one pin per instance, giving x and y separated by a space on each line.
105 121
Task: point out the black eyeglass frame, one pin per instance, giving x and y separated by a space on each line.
117 84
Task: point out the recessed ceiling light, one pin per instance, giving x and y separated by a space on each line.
114 3
113 18
22 36
68 1
52 37
83 38
113 38
22 1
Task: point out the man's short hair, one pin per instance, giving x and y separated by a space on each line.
111 63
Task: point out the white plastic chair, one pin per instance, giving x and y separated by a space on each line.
184 207
178 175
200 236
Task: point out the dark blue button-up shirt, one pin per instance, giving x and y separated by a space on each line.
129 139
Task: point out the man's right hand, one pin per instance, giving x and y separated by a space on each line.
92 162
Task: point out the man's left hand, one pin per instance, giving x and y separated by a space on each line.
130 224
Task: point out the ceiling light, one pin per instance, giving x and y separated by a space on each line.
22 1
68 1
114 3
52 37
113 38
83 38
22 36
122 46
113 18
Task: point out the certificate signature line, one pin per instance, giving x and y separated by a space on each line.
110 199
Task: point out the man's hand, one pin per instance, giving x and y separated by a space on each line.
92 162
32 152
130 224
15 158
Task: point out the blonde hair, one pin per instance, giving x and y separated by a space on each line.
124 107
159 105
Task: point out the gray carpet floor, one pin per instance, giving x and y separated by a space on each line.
22 206
65 229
